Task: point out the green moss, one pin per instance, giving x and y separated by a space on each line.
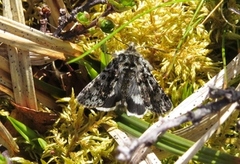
79 136
171 38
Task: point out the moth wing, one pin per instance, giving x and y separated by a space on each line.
160 102
134 100
154 97
102 91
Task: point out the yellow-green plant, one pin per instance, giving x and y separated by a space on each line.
170 35
79 135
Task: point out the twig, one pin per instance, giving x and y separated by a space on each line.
160 127
64 19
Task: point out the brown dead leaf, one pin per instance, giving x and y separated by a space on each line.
37 120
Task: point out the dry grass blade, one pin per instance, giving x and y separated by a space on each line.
46 41
188 155
17 76
43 48
20 64
122 139
198 97
28 45
7 140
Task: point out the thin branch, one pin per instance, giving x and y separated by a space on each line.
65 19
159 128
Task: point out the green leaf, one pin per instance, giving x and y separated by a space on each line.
27 133
42 143
91 71
52 90
104 57
2 159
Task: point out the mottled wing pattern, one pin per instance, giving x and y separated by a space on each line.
102 91
126 81
145 91
155 98
130 91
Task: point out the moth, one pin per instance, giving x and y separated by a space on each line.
126 82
